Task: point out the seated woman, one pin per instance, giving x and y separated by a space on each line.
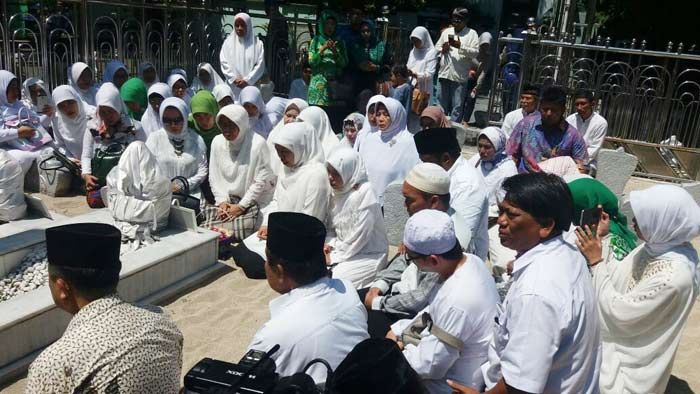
150 121
644 300
291 112
116 73
206 78
203 117
433 117
239 175
71 121
138 195
178 87
179 151
223 94
370 125
12 204
110 127
351 127
390 152
260 122
303 187
135 95
318 119
21 132
82 79
356 243
148 74
36 97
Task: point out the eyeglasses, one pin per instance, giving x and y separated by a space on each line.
411 259
175 121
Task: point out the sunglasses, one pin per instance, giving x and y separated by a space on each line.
176 121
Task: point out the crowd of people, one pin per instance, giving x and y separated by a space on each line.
502 283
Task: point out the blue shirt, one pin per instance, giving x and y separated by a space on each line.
403 94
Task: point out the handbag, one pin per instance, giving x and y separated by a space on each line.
33 143
420 99
412 334
105 159
184 199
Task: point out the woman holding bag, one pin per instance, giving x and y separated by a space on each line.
422 61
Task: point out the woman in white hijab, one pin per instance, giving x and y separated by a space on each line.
33 90
351 128
178 87
422 60
239 172
242 56
71 121
493 163
150 121
180 152
390 152
206 78
370 124
148 74
356 244
116 73
82 79
21 132
223 94
290 114
644 300
318 119
260 121
111 125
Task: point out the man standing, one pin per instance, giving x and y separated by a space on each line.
463 308
547 334
546 135
528 106
458 45
315 316
110 345
469 200
350 33
589 124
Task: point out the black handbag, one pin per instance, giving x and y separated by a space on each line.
184 199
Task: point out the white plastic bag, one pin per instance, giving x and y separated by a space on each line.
12 204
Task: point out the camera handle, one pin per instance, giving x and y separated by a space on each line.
329 372
242 379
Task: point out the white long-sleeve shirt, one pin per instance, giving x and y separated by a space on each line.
469 206
455 65
465 307
512 119
594 129
191 163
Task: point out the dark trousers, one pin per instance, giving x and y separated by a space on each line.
251 263
379 322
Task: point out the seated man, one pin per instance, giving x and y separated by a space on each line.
589 124
316 316
546 134
464 307
401 290
110 345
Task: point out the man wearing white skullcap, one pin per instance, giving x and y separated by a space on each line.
463 308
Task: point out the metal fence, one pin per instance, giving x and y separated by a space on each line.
644 95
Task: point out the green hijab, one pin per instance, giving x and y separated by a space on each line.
204 102
135 90
589 193
326 15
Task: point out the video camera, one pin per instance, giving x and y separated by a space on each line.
254 373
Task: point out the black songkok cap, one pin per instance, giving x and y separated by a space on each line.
84 245
436 141
376 365
295 236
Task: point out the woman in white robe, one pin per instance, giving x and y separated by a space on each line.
223 94
422 60
261 121
180 152
206 78
30 98
494 164
71 121
150 121
390 152
370 123
290 114
644 300
178 87
116 73
352 124
82 79
356 243
242 56
318 119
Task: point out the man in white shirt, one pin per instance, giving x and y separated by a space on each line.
464 307
529 96
547 336
458 45
589 124
315 316
469 200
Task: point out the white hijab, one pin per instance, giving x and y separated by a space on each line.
181 106
262 124
275 109
108 96
72 130
318 119
222 90
669 218
418 59
88 96
216 79
350 167
240 52
111 69
366 127
145 66
172 80
275 162
150 121
238 115
26 94
8 109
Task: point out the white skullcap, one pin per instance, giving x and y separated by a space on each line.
429 232
429 178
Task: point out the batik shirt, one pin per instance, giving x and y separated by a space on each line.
530 144
111 346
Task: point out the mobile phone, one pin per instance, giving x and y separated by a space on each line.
41 102
590 217
450 37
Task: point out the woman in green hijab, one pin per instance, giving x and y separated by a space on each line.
203 116
327 57
134 93
589 193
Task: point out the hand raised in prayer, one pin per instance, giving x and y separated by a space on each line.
590 245
371 294
25 132
262 233
460 388
90 182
